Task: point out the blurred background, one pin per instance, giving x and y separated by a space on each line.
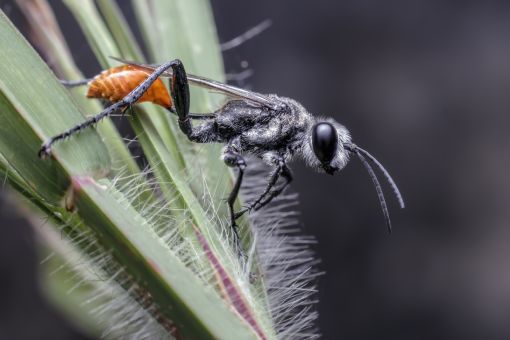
424 85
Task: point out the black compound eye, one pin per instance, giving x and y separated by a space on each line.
324 141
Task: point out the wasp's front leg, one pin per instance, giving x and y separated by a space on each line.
270 193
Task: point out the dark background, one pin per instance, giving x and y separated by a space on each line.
424 85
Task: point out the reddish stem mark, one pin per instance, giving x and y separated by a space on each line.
229 287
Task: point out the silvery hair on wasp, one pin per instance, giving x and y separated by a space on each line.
270 127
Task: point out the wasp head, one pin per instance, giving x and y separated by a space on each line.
328 147
324 149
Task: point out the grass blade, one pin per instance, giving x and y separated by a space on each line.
46 32
119 28
33 107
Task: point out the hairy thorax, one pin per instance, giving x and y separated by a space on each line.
262 129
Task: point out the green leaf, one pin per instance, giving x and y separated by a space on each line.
104 46
47 33
186 30
29 108
34 107
199 313
120 31
31 98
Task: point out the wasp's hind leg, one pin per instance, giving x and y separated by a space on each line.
232 158
179 88
121 105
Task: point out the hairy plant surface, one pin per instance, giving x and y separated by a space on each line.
146 252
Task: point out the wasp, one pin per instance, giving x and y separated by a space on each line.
273 128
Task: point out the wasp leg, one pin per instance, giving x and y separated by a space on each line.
128 100
45 150
232 158
267 196
287 175
179 89
198 116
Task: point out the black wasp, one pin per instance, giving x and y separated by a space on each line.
271 127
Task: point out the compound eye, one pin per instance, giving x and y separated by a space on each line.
324 142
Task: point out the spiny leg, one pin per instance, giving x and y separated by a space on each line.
267 196
179 90
287 175
128 100
273 178
204 133
232 158
45 149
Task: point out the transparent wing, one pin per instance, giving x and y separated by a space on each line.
229 90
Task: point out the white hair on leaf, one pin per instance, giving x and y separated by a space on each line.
123 309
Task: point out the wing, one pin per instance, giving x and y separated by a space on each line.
254 98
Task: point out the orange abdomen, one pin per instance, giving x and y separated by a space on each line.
115 83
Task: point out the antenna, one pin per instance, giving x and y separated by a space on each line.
386 174
360 153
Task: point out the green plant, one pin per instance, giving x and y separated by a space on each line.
145 253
